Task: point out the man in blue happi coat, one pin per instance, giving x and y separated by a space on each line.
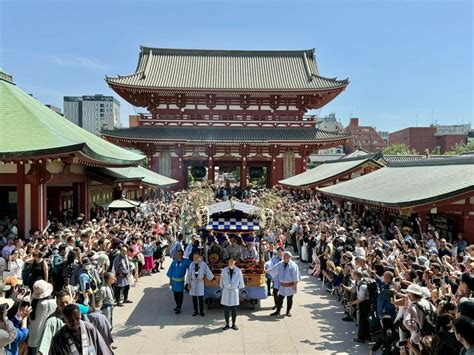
177 273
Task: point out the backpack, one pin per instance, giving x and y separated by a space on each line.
93 284
429 320
372 289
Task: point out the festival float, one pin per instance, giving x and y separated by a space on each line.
218 223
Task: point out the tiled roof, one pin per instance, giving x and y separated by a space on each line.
30 129
227 70
140 173
409 184
223 134
329 170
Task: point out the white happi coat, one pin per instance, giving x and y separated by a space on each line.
197 284
231 286
289 274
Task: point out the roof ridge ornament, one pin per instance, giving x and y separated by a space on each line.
306 67
147 65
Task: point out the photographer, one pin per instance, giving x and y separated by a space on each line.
20 320
7 329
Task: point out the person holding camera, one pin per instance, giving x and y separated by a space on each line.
20 321
8 331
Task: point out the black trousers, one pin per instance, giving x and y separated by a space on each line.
118 291
364 327
275 297
178 298
201 303
289 303
228 310
294 243
269 286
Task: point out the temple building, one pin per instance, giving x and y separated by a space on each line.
49 166
212 110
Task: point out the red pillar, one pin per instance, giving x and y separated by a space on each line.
84 207
20 202
155 161
243 174
75 199
210 170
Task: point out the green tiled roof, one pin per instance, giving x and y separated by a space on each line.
30 129
329 170
409 184
140 173
227 70
223 134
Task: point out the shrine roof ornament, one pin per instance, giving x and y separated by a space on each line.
227 70
31 130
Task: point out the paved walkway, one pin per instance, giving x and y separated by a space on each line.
149 325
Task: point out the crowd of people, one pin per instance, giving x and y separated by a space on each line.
407 289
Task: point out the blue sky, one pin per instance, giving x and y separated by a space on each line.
409 62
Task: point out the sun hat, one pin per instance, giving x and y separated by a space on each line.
41 289
415 290
426 292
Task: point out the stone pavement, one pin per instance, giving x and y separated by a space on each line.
149 325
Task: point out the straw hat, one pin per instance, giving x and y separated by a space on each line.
41 289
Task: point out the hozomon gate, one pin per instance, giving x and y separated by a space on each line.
213 108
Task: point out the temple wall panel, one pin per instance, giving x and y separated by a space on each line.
8 169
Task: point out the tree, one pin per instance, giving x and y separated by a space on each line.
398 149
460 148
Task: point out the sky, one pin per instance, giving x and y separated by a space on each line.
410 63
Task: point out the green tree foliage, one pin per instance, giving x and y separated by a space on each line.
398 149
461 148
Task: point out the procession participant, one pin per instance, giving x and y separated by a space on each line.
233 250
55 321
77 337
232 282
192 248
250 252
177 245
289 276
195 282
176 273
276 280
121 268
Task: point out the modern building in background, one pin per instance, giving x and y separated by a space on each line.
384 135
438 139
93 112
417 138
364 137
